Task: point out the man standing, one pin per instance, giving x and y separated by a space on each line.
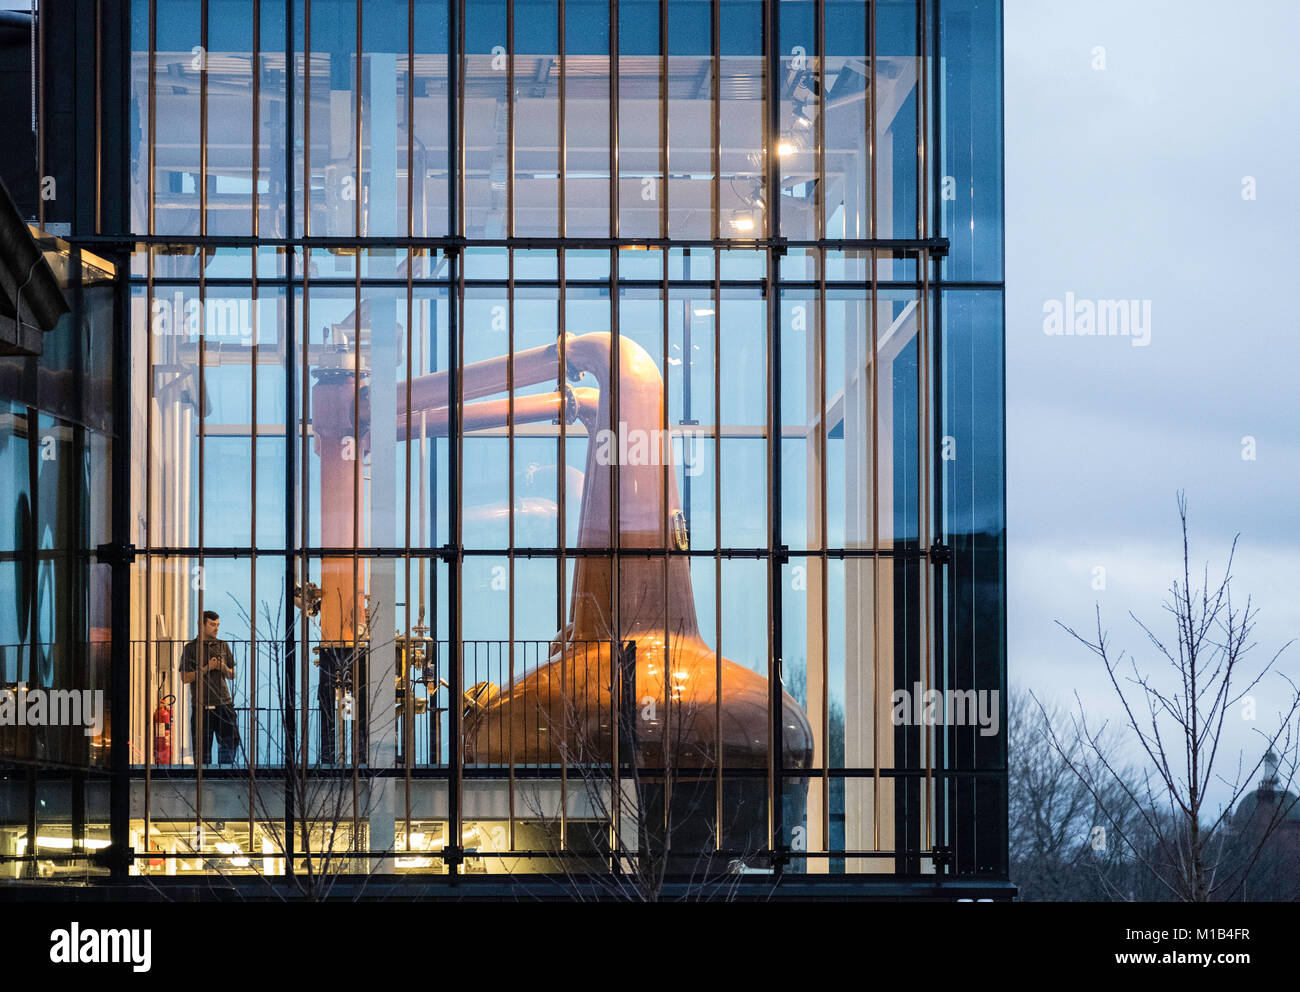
211 705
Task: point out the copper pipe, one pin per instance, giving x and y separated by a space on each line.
485 378
487 414
340 442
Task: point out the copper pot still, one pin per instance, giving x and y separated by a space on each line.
630 672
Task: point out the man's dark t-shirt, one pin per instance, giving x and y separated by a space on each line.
216 691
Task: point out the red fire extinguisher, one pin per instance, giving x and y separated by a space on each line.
162 731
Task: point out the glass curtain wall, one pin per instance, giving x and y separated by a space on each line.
584 420
57 436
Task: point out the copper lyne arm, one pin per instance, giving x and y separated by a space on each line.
572 404
486 378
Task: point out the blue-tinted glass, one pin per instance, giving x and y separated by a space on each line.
335 187
796 144
742 27
587 152
638 27
536 27
970 202
485 25
896 126
486 168
536 166
972 412
690 27
586 27
742 205
383 116
430 207
846 206
178 61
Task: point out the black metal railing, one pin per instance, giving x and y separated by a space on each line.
336 716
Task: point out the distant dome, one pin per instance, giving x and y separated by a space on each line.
1267 785
1250 801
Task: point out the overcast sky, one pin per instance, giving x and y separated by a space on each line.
1127 182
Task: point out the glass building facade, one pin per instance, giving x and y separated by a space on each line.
584 417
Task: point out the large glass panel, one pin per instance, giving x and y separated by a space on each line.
843 122
586 311
796 144
538 410
849 443
331 137
230 67
164 619
174 324
690 119
485 448
385 130
742 430
428 452
178 66
897 153
803 440
269 416
140 135
270 64
640 120
535 169
586 118
742 82
692 322
430 85
225 495
973 500
486 155
897 321
743 642
971 164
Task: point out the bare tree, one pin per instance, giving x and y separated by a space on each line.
1178 722
1062 846
332 803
